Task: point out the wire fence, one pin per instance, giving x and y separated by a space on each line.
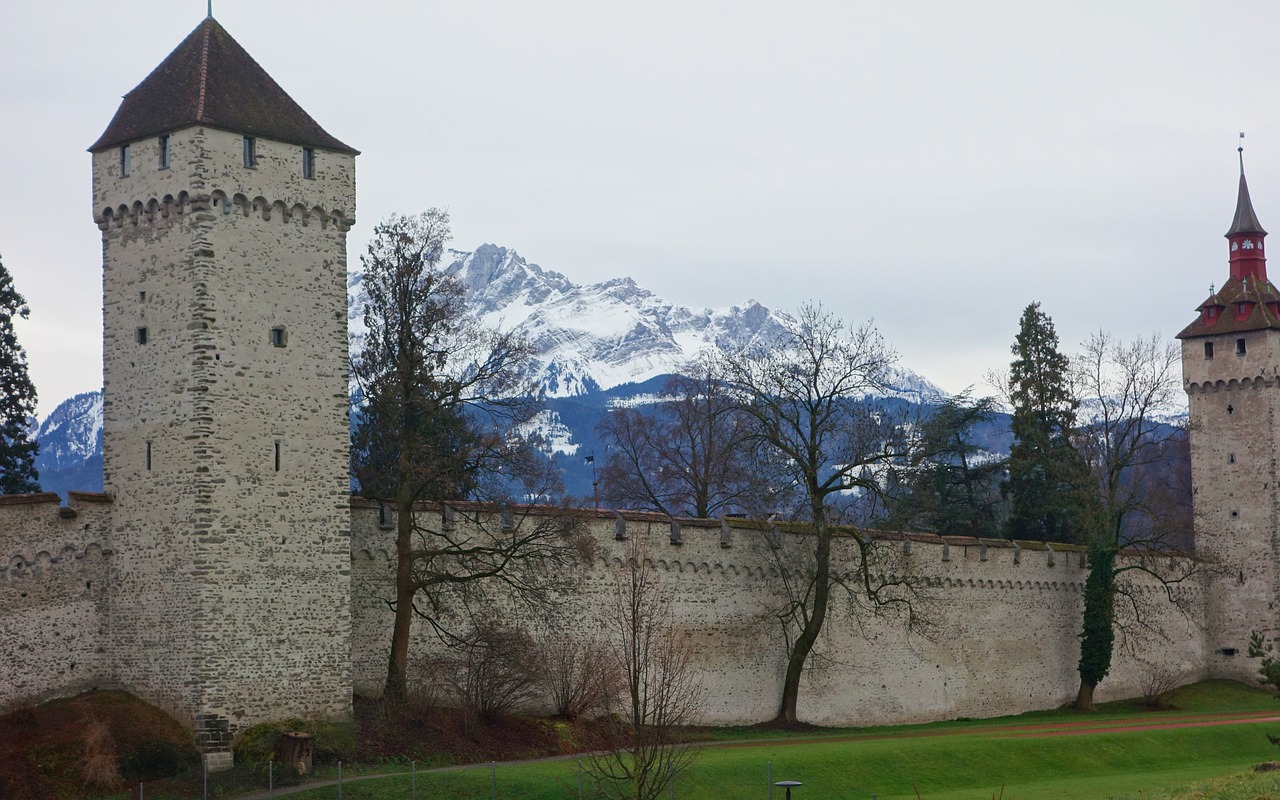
547 779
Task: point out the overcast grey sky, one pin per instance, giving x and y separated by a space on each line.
934 165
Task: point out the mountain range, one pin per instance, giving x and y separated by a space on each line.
595 345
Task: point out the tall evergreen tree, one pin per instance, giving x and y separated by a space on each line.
17 398
1046 476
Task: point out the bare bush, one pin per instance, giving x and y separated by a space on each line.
1157 681
661 694
580 676
494 670
98 762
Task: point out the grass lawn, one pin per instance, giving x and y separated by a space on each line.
967 759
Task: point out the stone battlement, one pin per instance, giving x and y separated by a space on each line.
169 209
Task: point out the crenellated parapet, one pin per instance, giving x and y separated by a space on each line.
1234 384
171 209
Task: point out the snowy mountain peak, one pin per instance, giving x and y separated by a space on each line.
597 336
496 277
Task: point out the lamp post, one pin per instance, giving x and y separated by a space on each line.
787 785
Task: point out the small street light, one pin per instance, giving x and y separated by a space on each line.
787 785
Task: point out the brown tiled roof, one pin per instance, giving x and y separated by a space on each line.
209 79
1253 291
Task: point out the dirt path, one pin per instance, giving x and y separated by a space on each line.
1022 731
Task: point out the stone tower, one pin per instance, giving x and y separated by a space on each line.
1229 367
224 209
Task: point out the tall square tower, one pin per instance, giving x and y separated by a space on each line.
224 210
1230 356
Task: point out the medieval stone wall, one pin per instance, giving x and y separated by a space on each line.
54 574
1002 639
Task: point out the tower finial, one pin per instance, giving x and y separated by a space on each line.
211 17
1239 149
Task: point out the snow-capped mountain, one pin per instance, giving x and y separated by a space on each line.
593 337
596 345
70 440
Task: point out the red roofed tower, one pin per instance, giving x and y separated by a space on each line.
1230 355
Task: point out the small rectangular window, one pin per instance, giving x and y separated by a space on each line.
148 456
164 151
308 162
1208 349
250 152
125 161
143 336
278 337
277 456
1240 349
142 297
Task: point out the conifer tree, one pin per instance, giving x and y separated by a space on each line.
17 398
1046 476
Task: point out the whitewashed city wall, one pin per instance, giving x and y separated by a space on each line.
54 573
1004 639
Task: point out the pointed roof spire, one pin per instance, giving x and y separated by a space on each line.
209 79
1245 221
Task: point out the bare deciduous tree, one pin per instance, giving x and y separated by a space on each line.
684 455
660 693
1126 389
803 394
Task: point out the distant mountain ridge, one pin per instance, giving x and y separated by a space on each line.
598 336
595 345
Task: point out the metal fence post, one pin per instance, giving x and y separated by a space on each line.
493 780
413 765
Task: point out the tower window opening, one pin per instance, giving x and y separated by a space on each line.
1240 348
308 162
148 456
126 162
1208 349
1231 458
277 456
1234 513
143 335
279 338
250 152
1230 409
142 297
163 144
